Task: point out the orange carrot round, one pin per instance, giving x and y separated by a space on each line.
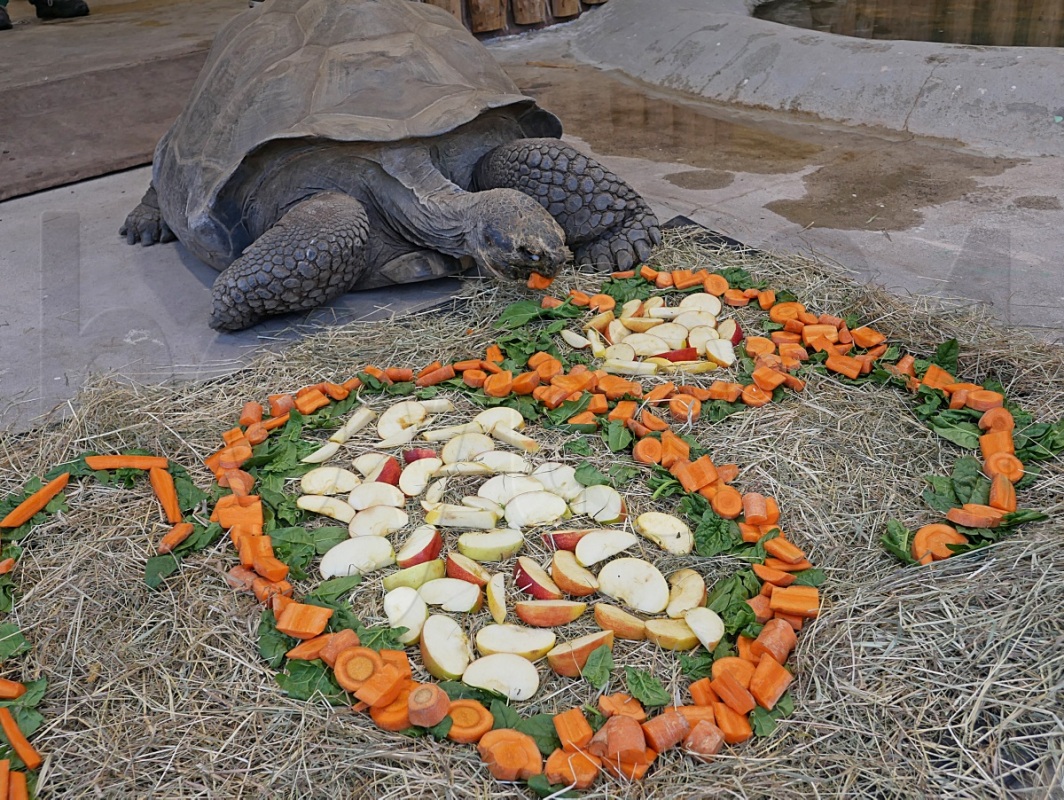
735 297
985 399
509 754
715 284
1004 464
471 720
394 716
931 542
997 419
754 396
356 665
474 378
684 408
647 451
499 385
727 502
428 705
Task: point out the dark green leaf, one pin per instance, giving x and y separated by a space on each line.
541 728
459 691
645 688
946 355
589 476
543 788
570 408
295 547
616 436
739 278
330 591
272 643
381 637
962 434
715 535
327 537
579 447
441 729
158 568
969 483
624 289
940 495
697 664
200 538
519 314
505 716
189 496
305 680
1020 516
620 475
898 541
12 642
595 718
764 722
809 577
598 667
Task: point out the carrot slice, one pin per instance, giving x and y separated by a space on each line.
735 727
576 769
777 639
666 731
395 716
509 754
1002 492
381 688
356 665
684 408
303 621
337 643
727 502
537 281
1004 464
647 451
438 375
621 704
702 692
474 378
24 511
997 419
471 720
428 705
309 649
19 743
739 668
499 385
769 683
802 601
754 396
931 542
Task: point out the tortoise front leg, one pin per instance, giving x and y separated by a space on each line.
314 253
145 222
606 223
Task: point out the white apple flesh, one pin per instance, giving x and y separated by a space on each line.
444 648
356 557
510 675
636 583
404 608
495 545
530 643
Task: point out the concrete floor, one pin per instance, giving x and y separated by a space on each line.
928 216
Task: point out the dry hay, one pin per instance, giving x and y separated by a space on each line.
915 682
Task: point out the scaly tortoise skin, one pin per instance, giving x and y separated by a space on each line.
335 145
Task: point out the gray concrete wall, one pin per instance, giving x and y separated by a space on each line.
1001 100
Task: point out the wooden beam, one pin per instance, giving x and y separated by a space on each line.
565 8
529 12
454 6
487 15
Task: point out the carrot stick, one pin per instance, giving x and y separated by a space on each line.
762 611
162 483
733 694
673 449
19 743
439 375
18 788
735 727
126 462
175 536
471 720
24 511
310 649
381 688
270 568
251 413
755 508
802 601
355 665
5 777
769 683
783 550
275 422
576 769
399 374
743 644
396 715
666 731
428 705
777 639
702 692
9 690
773 576
574 731
786 566
509 754
435 365
695 474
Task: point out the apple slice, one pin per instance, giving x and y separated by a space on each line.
570 577
641 324
503 488
667 359
530 643
466 447
669 533
496 592
452 594
378 521
616 332
415 576
701 301
569 658
505 673
434 494
720 352
653 302
673 334
548 613
333 507
445 434
696 319
322 454
698 337
574 339
355 423
464 468
535 508
399 418
623 624
499 417
438 405
390 471
483 503
598 346
374 493
418 453
620 352
558 478
356 557
418 474
647 344
564 540
664 312
636 583
450 516
707 626
466 569
404 608
602 503
329 480
444 648
671 634
633 308
729 331
614 367
597 546
369 465
494 545
503 461
531 578
687 590
424 544
600 322
515 439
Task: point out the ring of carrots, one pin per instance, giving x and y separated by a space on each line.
629 742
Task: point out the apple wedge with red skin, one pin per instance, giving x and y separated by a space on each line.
424 544
570 577
683 354
466 569
564 540
569 658
730 331
531 578
548 613
624 625
417 453
390 471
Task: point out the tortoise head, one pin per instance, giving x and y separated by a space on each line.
513 236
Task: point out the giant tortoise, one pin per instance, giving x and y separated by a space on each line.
332 145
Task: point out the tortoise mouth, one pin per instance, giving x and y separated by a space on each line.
520 268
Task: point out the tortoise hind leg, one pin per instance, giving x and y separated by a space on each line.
314 253
606 223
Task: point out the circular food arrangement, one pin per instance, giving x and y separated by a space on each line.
421 497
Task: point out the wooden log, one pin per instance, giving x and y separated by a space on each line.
565 8
487 15
454 6
529 12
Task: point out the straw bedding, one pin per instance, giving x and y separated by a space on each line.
914 682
